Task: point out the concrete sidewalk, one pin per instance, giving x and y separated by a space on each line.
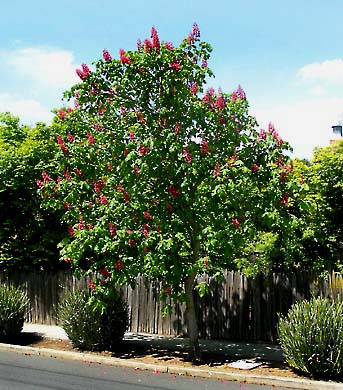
262 351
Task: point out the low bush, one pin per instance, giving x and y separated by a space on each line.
94 322
13 303
311 337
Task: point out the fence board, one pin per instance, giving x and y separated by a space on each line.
237 308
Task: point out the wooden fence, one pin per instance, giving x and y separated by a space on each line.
238 308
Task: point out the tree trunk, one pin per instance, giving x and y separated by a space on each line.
192 324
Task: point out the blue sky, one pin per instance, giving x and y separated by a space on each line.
288 56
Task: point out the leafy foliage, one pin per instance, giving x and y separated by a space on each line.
13 303
28 234
94 324
311 337
157 176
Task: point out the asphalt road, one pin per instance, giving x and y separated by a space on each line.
30 372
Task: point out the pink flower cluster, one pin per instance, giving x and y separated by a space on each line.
174 192
106 55
274 133
61 144
124 59
84 72
238 94
175 65
187 156
204 147
155 40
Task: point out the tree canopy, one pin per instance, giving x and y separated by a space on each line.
28 234
158 175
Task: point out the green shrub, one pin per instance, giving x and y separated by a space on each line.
94 323
13 303
311 337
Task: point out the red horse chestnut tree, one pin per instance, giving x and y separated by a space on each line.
158 175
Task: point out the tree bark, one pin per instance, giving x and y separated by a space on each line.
192 324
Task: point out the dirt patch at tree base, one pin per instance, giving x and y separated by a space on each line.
151 355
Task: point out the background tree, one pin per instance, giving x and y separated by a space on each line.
158 176
28 235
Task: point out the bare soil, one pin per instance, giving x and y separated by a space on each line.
210 361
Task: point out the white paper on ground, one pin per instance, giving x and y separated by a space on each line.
245 364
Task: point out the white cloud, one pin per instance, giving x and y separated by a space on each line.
330 71
46 66
304 124
29 111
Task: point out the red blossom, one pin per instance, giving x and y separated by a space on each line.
132 135
84 72
126 152
204 64
147 215
112 228
167 290
190 38
39 183
169 46
67 175
132 243
177 128
71 231
129 231
118 265
123 57
175 65
126 196
98 184
78 172
68 260
120 188
70 138
169 207
106 55
284 199
147 45
174 192
238 94
194 88
105 272
255 168
142 150
261 135
90 227
235 223
155 40
81 224
216 171
61 144
136 169
204 147
66 205
103 199
195 30
109 166
90 139
187 156
158 228
92 285
46 177
146 230
220 103
62 114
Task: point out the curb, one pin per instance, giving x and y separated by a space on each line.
275 381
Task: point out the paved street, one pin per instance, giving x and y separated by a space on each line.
29 372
